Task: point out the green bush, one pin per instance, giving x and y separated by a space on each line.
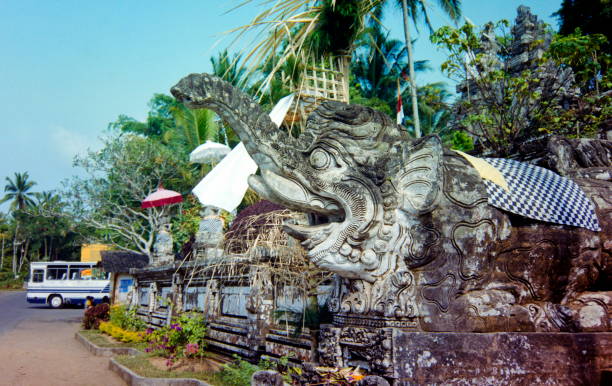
185 336
126 318
238 373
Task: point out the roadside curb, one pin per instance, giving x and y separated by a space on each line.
129 376
133 379
105 351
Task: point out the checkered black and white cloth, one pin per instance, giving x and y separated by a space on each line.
540 194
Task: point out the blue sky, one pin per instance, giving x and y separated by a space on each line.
69 67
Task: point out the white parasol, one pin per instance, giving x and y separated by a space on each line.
209 152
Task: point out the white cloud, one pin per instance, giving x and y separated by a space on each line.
69 143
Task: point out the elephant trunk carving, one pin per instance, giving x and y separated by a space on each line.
407 225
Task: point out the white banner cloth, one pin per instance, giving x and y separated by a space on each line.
225 185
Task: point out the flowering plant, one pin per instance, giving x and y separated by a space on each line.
183 337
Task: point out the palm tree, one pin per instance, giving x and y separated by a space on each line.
17 191
378 62
434 110
229 69
414 8
195 126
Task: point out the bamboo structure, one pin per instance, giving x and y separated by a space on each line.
326 79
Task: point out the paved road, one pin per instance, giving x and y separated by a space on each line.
37 347
14 309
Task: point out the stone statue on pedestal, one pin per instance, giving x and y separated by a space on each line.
163 249
210 234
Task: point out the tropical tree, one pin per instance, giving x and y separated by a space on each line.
17 191
434 110
117 178
590 16
4 236
501 104
158 124
414 9
378 62
229 69
304 30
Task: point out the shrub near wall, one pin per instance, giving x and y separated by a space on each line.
126 318
94 315
120 334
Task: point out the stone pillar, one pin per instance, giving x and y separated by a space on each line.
177 295
163 249
259 306
210 234
152 296
212 301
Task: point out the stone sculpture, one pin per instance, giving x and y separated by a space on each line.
210 234
162 249
406 226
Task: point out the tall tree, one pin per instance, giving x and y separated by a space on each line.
159 122
414 9
18 191
229 68
377 63
118 178
590 16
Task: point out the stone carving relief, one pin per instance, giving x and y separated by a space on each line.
406 225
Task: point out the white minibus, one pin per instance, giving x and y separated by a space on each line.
67 282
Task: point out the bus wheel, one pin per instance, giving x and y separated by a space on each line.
55 301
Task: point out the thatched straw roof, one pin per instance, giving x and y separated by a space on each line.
122 261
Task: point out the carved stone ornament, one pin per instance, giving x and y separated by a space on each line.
163 248
408 229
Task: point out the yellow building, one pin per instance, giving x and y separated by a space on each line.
91 252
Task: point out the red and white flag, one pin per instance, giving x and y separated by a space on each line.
400 107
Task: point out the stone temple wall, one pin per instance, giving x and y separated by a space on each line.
242 319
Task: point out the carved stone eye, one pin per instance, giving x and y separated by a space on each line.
319 159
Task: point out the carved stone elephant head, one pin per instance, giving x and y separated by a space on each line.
404 223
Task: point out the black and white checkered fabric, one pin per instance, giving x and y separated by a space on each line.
540 194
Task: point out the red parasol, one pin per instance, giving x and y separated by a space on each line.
161 197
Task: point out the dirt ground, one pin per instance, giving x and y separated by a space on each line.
44 352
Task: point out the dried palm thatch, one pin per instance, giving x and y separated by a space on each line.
273 250
318 34
261 245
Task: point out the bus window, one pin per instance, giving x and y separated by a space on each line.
57 272
98 274
76 272
38 276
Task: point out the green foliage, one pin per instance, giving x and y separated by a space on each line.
501 106
117 178
188 330
591 16
237 373
158 123
462 141
18 191
586 55
229 68
7 281
185 224
584 118
376 103
126 318
338 23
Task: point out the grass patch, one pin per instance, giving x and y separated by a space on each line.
101 340
141 366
